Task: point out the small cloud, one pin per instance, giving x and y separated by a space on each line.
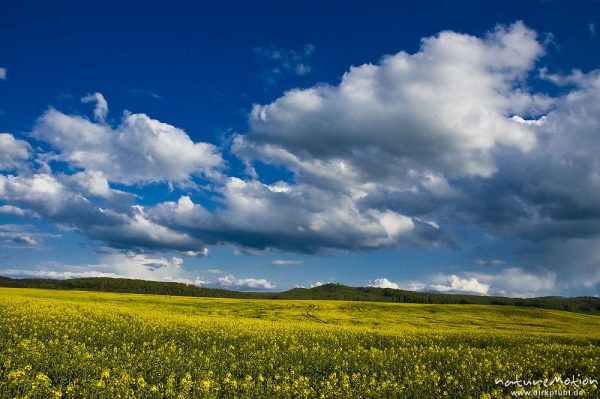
199 282
146 93
302 69
16 211
319 283
488 262
2 73
24 240
549 40
197 254
213 271
22 236
59 275
101 249
513 282
576 78
529 122
592 28
101 108
416 286
383 282
517 282
284 61
245 283
176 261
116 265
153 266
16 227
93 183
285 262
309 49
13 152
455 284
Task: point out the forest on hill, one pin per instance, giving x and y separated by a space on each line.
326 291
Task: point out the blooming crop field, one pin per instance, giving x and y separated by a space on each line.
75 344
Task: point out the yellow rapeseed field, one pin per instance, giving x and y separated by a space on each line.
74 344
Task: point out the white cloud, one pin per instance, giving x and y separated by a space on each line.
574 261
16 211
40 190
529 122
116 265
512 282
101 108
457 284
137 230
184 213
13 152
144 266
380 153
444 108
202 252
22 236
415 286
93 183
126 227
394 224
53 274
517 282
300 219
398 153
576 77
402 129
213 271
18 240
285 262
383 282
302 69
550 192
488 262
282 61
139 150
245 283
2 73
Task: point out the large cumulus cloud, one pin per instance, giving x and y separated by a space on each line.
443 109
295 218
372 156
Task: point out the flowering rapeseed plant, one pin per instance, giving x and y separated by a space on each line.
66 344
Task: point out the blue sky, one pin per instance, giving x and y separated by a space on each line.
435 146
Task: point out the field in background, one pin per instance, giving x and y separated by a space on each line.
74 344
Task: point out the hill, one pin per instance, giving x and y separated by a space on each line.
326 291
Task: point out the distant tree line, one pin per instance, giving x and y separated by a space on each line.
327 291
